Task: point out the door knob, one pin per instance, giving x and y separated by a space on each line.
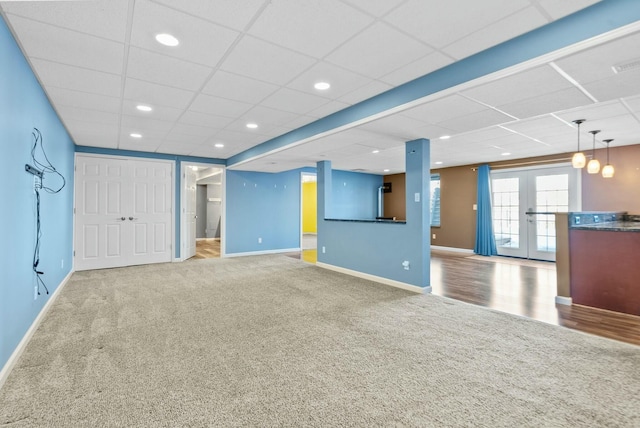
121 219
132 218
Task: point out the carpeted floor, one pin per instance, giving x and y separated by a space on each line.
273 341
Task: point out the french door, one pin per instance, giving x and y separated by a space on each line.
123 211
524 202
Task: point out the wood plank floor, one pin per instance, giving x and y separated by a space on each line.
520 287
207 248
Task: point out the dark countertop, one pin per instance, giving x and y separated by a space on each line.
368 220
613 226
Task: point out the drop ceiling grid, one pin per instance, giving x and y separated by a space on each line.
51 43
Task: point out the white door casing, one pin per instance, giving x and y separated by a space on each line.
189 211
123 212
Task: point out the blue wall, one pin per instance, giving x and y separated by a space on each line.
262 205
23 106
377 248
355 195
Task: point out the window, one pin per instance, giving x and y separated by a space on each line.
434 205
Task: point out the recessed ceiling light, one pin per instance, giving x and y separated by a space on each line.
167 40
135 135
385 170
445 137
219 145
322 86
143 107
376 151
439 163
252 125
505 154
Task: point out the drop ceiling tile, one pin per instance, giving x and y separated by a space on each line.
67 97
69 47
201 119
107 19
294 101
493 34
177 149
559 9
618 86
475 121
230 13
92 134
521 86
238 88
596 63
342 81
264 61
397 126
440 23
218 106
164 70
201 42
425 65
139 146
549 102
542 127
312 27
377 8
175 137
364 92
440 110
378 50
76 78
594 111
159 112
327 109
145 124
155 94
266 116
85 115
299 121
633 103
194 130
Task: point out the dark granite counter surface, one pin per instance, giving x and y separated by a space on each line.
613 226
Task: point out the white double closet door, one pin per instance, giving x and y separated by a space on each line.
123 211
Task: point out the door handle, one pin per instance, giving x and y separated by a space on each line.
121 219
131 218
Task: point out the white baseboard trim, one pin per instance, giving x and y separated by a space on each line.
15 356
260 253
380 279
452 249
564 300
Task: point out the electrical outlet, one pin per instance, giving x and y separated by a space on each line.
323 250
62 264
406 265
35 292
433 236
475 207
259 240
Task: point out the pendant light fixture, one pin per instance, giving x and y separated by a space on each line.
607 171
593 167
578 160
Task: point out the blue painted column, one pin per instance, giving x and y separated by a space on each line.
418 176
395 253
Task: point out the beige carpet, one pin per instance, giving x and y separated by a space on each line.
273 341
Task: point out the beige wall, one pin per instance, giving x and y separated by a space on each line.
395 202
458 192
620 193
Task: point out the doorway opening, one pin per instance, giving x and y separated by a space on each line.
202 211
524 205
308 218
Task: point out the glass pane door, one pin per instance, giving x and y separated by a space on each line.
523 205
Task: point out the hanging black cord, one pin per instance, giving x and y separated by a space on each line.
48 167
36 251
